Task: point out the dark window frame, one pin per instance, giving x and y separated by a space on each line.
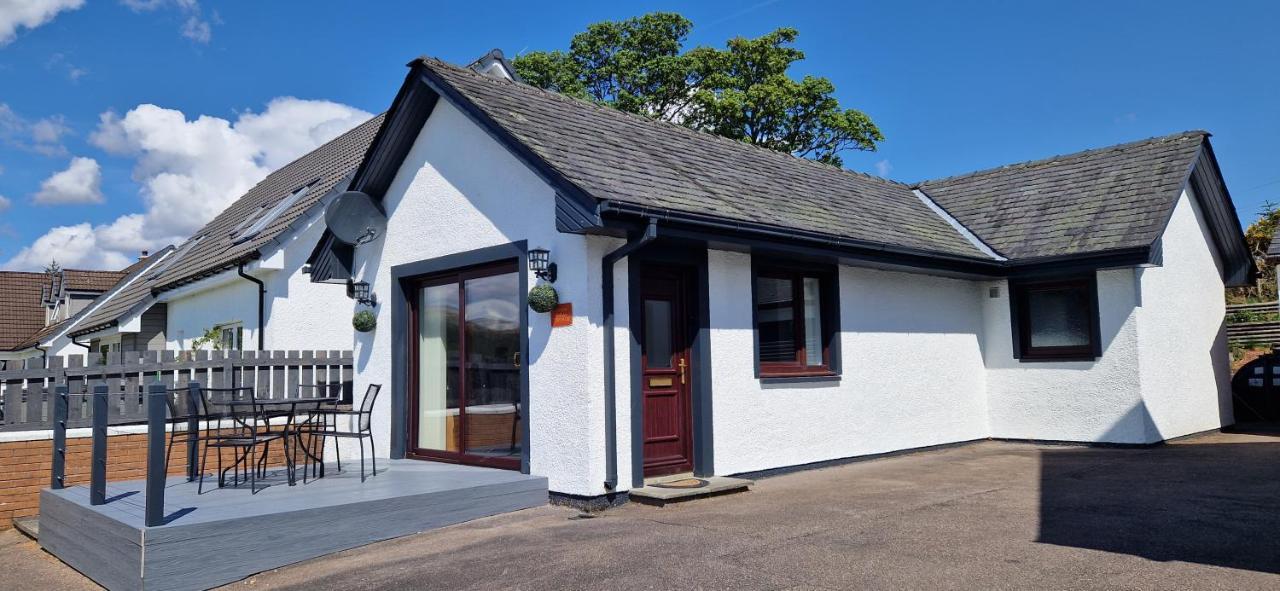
829 310
1020 316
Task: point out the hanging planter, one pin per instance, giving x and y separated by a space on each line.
543 298
364 321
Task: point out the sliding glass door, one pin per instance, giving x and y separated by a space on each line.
466 373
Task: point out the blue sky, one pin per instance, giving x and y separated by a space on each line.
954 87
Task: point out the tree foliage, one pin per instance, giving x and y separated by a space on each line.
1258 238
741 92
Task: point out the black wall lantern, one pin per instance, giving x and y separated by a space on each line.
541 265
361 293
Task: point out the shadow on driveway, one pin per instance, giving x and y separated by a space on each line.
1207 503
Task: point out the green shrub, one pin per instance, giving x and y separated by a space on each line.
364 321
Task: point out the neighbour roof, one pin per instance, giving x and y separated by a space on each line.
121 298
22 312
78 280
1098 200
623 158
215 247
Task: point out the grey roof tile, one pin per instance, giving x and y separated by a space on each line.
619 157
1105 199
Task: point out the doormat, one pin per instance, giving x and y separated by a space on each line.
682 483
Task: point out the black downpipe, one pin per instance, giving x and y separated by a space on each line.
610 379
79 344
262 295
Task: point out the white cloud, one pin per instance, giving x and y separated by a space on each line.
81 182
60 61
43 136
195 27
72 246
29 14
192 169
4 203
883 168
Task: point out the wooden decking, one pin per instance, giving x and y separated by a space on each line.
227 534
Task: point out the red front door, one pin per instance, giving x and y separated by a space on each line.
665 371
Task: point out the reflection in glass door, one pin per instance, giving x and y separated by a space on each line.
468 362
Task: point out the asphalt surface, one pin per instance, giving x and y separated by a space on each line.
1200 513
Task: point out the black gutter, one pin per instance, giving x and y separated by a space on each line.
759 229
262 294
903 255
610 379
79 344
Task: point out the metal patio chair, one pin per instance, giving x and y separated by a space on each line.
249 429
361 429
178 415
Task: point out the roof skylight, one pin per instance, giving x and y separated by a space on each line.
265 219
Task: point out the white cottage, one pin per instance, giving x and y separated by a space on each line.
726 309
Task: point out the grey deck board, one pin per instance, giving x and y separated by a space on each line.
277 526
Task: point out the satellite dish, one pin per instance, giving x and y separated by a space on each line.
354 218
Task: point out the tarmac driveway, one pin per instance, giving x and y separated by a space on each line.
1198 513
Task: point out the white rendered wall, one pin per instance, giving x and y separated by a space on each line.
1095 401
300 315
1184 360
912 372
459 190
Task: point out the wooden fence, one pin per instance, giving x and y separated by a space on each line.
27 395
1253 324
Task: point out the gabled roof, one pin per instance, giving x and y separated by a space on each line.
21 311
132 277
1105 199
625 159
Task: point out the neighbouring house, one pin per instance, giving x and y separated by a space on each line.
40 308
244 274
725 309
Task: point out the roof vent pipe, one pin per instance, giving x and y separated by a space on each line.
610 379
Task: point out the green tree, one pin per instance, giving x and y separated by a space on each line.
1258 238
53 267
741 92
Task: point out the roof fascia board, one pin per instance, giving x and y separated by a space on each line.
361 176
1239 267
836 243
541 167
216 280
882 256
959 227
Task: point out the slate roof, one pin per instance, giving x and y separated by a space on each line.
624 158
216 249
1098 200
21 310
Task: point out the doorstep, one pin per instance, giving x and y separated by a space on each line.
669 489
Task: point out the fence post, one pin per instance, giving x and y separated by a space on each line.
57 477
195 407
156 469
98 471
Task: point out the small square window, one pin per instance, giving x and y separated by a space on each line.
1055 319
794 322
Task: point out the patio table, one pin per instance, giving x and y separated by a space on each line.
288 408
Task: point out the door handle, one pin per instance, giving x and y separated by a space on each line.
682 365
